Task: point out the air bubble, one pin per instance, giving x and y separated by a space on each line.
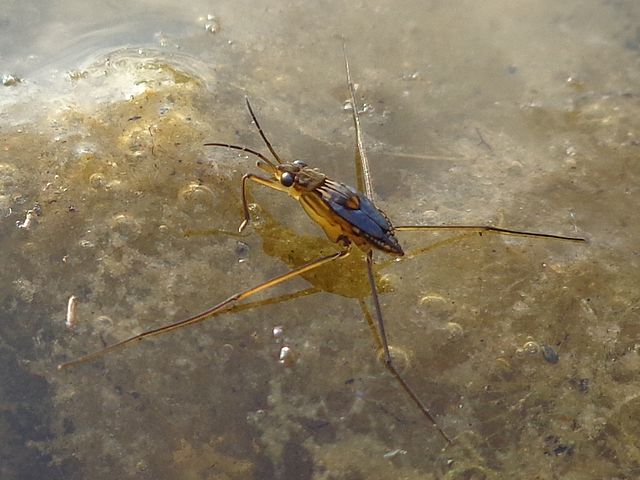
126 225
400 357
431 299
196 196
97 181
454 330
531 348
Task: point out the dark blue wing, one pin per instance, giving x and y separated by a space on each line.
365 218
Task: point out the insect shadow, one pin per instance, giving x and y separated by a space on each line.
349 218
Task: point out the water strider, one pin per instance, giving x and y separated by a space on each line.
347 215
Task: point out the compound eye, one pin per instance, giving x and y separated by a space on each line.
287 179
299 163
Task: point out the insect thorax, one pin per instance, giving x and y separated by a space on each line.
308 179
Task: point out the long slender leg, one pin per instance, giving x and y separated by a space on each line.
287 297
363 173
388 360
267 182
364 179
212 231
230 301
377 309
490 229
422 250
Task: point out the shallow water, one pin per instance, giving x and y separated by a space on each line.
519 115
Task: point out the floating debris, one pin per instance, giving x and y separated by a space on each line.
76 75
28 220
549 354
411 75
394 453
284 354
72 305
10 80
277 333
287 357
212 24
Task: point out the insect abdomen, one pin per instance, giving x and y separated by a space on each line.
358 218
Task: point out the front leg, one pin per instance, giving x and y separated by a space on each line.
267 182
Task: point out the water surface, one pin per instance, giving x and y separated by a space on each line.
507 113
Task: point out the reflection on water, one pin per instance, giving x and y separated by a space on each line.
525 350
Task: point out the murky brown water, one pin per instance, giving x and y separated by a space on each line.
507 113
